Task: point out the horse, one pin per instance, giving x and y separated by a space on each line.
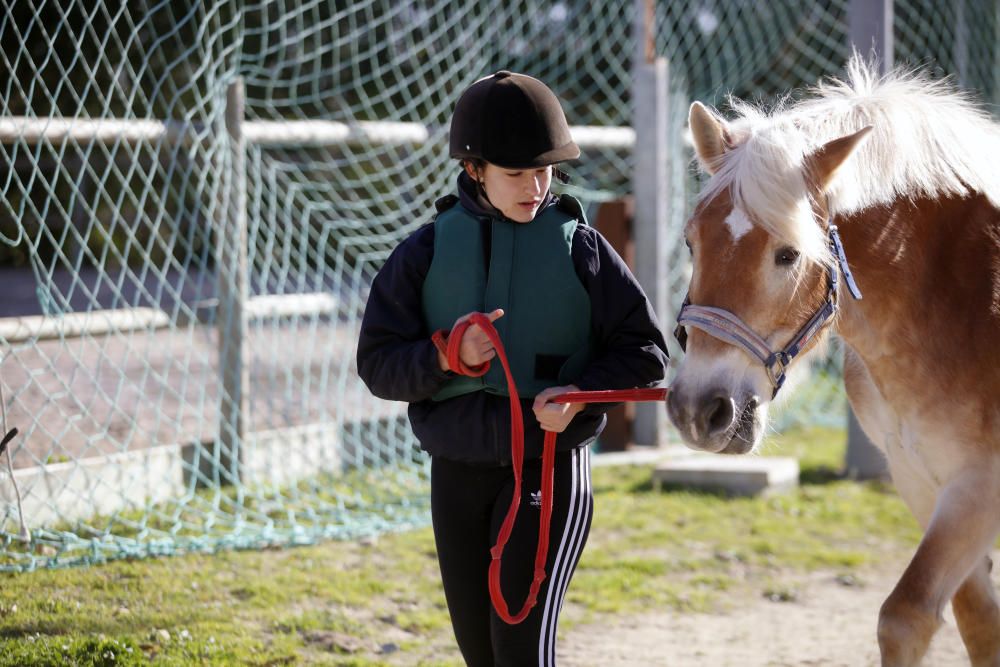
868 206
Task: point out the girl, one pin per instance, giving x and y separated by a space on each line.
571 317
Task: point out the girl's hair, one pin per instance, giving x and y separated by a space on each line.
478 164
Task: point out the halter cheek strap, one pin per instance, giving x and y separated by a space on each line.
729 328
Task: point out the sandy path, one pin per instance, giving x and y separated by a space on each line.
829 624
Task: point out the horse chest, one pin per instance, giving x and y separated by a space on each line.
926 450
918 448
912 440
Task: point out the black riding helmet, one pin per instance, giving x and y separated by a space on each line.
511 120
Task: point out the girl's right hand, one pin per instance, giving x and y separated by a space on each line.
476 348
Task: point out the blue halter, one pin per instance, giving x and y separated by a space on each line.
729 328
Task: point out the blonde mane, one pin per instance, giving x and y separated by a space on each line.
927 140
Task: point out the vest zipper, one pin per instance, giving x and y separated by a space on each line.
509 310
509 343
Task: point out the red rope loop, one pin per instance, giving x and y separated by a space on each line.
517 457
450 345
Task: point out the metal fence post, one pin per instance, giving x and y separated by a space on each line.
650 187
960 48
996 57
233 294
870 28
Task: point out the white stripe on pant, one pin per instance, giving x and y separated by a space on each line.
570 547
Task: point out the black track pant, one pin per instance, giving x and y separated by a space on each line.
468 505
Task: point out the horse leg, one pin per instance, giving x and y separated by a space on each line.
961 529
978 616
920 497
975 603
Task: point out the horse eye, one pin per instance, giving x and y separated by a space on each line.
786 256
688 244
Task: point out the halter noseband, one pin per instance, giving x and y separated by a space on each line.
729 328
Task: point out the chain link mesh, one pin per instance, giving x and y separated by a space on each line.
119 181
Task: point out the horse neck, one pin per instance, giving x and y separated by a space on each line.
930 275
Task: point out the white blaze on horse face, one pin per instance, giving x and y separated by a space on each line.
704 373
738 223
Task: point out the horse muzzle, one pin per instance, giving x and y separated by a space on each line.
715 421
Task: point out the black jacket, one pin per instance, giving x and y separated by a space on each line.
398 361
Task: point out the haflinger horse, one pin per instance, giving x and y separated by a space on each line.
871 207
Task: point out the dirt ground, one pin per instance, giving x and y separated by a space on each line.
829 623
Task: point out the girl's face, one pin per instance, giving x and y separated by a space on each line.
517 193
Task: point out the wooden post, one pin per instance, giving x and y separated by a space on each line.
650 187
870 30
233 294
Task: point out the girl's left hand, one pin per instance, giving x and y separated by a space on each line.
555 416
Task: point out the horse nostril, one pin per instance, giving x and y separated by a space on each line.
716 415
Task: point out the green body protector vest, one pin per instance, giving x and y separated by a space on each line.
545 329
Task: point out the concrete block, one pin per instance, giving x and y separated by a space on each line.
736 475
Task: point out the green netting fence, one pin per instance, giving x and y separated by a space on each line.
196 196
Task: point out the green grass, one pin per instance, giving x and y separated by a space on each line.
380 603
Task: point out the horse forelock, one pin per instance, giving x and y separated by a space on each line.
764 180
928 140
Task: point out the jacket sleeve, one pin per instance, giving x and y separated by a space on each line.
631 349
396 357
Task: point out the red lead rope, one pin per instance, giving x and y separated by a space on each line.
517 455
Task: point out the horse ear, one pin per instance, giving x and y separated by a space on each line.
822 164
710 135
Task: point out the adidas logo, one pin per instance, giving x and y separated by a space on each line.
536 498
